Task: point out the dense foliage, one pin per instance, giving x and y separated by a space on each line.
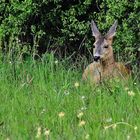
28 26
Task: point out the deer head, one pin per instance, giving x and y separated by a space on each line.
103 44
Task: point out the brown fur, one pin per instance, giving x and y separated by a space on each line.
106 67
97 72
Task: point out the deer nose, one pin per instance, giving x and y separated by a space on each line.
96 58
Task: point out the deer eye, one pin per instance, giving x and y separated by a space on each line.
105 46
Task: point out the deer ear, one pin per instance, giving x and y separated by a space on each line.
112 30
95 31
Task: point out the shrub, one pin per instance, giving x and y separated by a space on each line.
39 26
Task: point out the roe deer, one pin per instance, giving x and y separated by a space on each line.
104 65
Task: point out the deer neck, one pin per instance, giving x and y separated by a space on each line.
108 64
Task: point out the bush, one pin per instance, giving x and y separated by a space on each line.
41 25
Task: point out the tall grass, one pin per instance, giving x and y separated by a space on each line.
47 99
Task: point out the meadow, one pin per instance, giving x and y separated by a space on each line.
47 99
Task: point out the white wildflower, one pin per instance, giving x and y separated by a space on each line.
87 136
114 126
38 132
79 115
76 84
131 93
61 114
47 132
56 61
83 97
82 123
135 128
109 120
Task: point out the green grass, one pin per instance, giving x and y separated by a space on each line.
34 93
